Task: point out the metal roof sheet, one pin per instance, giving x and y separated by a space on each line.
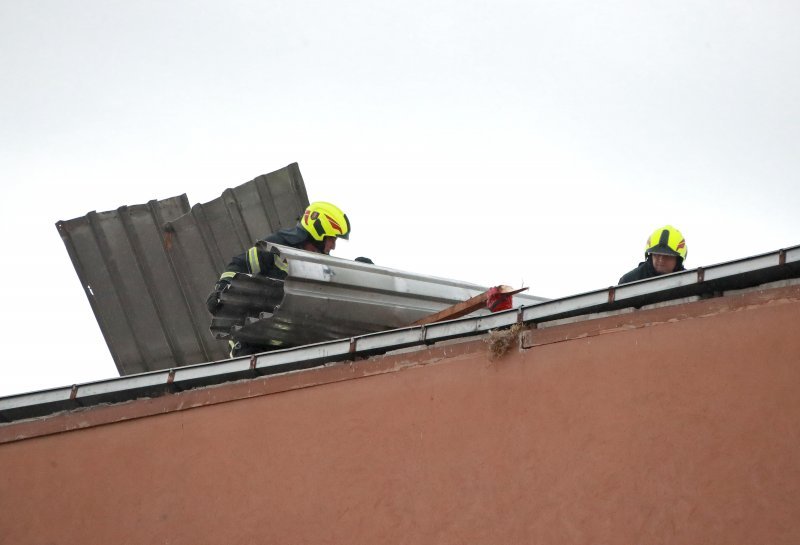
147 269
325 298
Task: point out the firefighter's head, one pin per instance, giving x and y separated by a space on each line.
667 249
325 223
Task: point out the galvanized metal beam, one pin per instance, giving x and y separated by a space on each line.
325 298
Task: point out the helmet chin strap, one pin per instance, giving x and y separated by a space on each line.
318 244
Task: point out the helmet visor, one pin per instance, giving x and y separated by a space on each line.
662 250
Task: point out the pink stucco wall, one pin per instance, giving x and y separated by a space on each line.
676 425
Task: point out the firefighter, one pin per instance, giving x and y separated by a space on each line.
664 253
321 224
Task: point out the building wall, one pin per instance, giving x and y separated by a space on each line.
672 425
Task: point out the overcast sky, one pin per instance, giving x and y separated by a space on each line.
532 143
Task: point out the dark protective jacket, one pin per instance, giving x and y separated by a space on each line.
644 270
257 260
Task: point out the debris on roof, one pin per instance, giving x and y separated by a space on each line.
495 299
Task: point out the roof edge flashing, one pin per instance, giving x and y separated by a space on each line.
751 274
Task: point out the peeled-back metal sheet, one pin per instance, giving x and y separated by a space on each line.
147 269
326 298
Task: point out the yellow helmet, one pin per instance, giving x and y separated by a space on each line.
668 241
323 219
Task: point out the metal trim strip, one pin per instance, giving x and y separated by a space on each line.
341 349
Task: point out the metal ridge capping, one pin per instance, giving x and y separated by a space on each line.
738 274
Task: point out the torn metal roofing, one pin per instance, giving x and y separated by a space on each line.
703 282
147 269
325 298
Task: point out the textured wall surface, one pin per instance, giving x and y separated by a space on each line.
674 425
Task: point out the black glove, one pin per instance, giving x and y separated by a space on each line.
213 302
364 260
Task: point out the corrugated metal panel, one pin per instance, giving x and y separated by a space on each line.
147 269
325 298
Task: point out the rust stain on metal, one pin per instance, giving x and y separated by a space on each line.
168 240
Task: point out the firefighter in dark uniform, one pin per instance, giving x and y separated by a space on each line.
664 253
316 231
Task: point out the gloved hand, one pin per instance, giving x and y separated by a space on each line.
213 302
364 260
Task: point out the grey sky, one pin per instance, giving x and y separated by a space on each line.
495 142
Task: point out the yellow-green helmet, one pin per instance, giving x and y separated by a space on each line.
323 219
668 241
